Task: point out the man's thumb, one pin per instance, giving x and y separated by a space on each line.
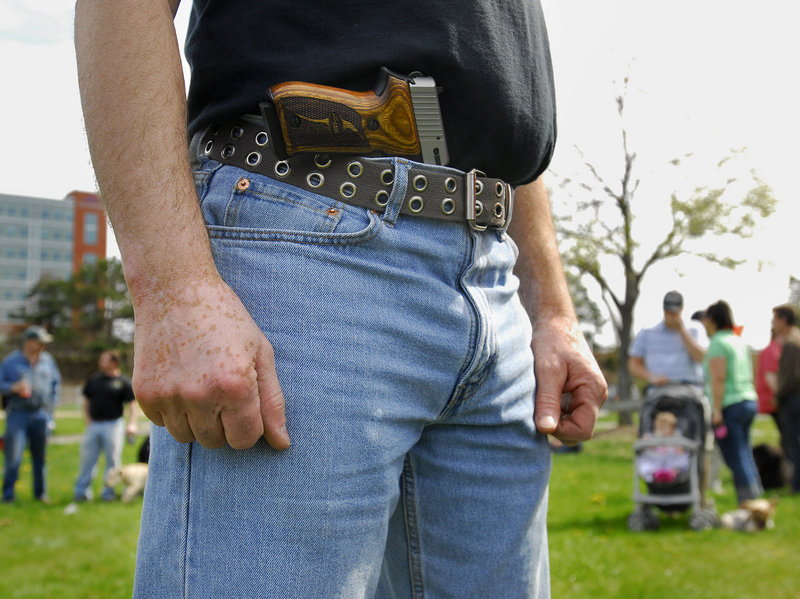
273 404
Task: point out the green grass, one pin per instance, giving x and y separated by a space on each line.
592 553
91 554
45 553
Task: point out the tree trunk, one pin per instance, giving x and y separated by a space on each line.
625 378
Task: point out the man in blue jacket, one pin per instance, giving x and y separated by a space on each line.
30 384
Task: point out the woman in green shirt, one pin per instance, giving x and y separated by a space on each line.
729 383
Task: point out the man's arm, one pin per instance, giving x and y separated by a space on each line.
637 368
717 368
771 378
695 349
86 415
133 418
202 368
564 363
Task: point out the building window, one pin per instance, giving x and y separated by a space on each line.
90 258
90 228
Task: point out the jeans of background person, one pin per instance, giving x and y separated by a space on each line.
25 427
105 437
738 452
404 356
789 412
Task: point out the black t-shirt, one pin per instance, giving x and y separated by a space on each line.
491 57
107 395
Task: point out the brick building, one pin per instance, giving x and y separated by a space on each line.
41 237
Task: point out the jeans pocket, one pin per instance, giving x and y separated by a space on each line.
238 204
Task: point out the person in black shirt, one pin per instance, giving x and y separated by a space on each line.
106 393
339 365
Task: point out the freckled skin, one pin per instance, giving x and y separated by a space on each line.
127 64
202 378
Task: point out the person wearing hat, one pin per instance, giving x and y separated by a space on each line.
671 351
29 383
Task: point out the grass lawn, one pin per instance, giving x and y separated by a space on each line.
592 554
90 555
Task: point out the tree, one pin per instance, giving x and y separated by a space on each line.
589 314
83 310
601 232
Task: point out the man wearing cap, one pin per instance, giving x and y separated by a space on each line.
672 351
30 384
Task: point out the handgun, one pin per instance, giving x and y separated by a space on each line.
400 117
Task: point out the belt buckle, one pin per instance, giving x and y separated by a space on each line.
474 206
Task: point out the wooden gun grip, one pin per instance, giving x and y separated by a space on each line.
318 118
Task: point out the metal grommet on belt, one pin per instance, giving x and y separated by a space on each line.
261 139
420 182
382 198
253 158
322 160
355 169
347 190
448 206
315 180
282 168
387 177
415 204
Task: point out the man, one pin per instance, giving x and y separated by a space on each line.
788 392
30 384
385 335
106 393
671 351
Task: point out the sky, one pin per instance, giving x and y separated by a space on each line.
705 76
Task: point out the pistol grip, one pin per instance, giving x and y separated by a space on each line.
320 118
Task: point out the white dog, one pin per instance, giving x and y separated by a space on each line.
753 516
132 477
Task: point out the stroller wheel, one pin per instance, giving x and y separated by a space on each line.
704 519
643 519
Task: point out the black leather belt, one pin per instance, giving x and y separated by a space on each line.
469 197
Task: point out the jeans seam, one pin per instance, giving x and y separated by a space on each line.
412 531
186 504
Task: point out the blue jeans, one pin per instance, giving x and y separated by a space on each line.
737 451
100 437
404 356
25 426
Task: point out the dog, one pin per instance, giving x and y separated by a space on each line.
753 516
132 477
769 462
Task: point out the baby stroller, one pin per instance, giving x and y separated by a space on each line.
680 490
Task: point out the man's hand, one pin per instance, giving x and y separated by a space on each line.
674 320
658 380
570 389
204 370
